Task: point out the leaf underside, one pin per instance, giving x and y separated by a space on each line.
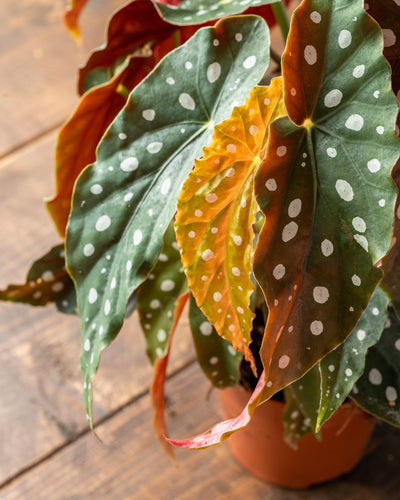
133 30
157 391
124 203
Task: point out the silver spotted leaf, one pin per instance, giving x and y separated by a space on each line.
295 424
216 356
325 387
378 390
157 297
123 204
307 392
341 368
47 281
326 193
197 12
325 187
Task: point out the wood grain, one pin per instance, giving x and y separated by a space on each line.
44 438
41 407
129 464
38 65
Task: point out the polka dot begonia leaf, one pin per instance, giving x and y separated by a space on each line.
295 423
341 368
216 212
157 296
378 389
325 387
325 190
195 11
79 137
124 203
216 356
47 281
329 180
132 27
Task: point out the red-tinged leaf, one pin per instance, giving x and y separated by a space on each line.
216 212
325 187
223 430
138 27
391 262
47 281
79 137
129 30
158 387
71 16
387 14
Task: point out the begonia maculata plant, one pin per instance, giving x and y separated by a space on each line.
203 167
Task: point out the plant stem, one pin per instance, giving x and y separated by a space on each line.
282 18
275 56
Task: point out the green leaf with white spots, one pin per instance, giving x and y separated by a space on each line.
158 295
378 390
295 424
342 367
324 388
216 356
201 11
124 203
307 392
47 281
325 187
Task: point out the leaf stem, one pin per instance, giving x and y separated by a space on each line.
275 56
282 18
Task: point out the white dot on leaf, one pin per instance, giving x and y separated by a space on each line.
344 39
320 294
186 101
249 62
310 55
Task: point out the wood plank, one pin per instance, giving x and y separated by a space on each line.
39 63
41 407
129 464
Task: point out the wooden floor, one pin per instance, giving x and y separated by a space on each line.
47 451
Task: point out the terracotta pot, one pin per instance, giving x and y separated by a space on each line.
261 449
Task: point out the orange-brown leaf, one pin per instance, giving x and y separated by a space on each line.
216 212
79 137
158 387
71 16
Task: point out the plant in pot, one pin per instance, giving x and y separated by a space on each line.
269 207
